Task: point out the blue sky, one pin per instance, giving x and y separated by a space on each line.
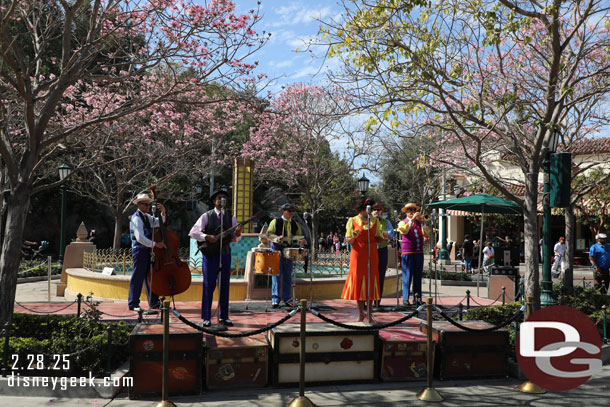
291 24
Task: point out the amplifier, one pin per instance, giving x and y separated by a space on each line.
504 271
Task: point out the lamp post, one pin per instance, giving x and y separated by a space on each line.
546 295
363 185
64 171
443 253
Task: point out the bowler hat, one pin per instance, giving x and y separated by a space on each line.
287 207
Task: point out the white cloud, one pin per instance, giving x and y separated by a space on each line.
297 13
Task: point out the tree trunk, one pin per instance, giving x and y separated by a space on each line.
530 231
568 276
17 206
314 235
118 229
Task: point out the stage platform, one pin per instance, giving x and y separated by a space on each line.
246 315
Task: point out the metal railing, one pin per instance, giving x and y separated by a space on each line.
122 262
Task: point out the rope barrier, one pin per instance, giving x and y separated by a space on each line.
106 313
44 313
454 307
493 328
486 305
239 335
375 327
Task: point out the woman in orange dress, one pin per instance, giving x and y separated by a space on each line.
364 252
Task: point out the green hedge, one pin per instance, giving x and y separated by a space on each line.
586 300
36 268
84 339
448 275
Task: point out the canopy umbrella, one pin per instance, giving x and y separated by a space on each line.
480 203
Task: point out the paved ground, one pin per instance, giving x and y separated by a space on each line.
501 392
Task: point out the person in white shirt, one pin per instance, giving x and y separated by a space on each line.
560 251
488 256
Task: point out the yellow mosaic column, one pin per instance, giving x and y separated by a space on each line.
243 173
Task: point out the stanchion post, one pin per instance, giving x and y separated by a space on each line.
79 300
460 311
605 338
584 285
528 386
429 393
503 295
7 336
467 300
49 273
165 378
302 400
109 355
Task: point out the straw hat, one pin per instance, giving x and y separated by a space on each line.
145 198
410 205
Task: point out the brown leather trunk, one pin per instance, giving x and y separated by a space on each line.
464 354
146 361
403 354
236 362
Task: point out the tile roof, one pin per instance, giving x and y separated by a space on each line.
591 146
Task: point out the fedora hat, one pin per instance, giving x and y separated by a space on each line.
145 198
220 191
410 205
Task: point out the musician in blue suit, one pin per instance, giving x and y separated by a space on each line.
206 229
141 227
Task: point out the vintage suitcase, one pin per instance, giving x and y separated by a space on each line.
332 354
236 362
146 360
403 354
463 354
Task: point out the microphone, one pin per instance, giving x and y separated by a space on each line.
305 215
153 208
368 209
223 202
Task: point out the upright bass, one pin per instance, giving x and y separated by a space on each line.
169 275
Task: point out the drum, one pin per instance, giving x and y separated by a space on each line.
267 262
294 253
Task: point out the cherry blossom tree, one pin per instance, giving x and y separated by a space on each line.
489 80
67 67
291 144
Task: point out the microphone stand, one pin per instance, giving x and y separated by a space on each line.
307 259
153 209
398 259
222 216
368 241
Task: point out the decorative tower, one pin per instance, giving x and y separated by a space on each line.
243 174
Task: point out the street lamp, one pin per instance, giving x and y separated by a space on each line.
64 172
363 185
546 294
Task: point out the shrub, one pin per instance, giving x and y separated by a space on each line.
84 339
